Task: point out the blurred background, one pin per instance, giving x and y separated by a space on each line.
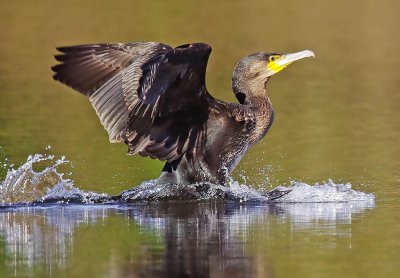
336 116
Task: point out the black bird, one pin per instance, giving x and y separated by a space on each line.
153 97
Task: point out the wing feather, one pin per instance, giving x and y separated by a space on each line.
149 95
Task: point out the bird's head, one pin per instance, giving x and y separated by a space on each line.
254 70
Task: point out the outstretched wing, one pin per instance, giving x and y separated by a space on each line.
100 71
149 95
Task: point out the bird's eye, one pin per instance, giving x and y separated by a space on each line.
272 58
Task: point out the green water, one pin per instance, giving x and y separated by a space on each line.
337 117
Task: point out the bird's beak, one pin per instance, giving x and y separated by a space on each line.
279 62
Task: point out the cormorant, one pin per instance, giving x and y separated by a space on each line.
153 97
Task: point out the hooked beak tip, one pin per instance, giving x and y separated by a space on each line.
292 57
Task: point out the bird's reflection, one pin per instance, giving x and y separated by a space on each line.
197 239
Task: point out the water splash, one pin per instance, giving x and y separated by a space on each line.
328 192
24 185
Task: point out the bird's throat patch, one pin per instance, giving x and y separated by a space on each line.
275 66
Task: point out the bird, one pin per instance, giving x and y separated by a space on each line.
153 97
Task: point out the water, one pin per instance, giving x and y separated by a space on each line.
205 237
42 210
334 143
174 239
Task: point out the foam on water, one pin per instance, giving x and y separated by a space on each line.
25 185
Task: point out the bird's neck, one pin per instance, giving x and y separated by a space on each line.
254 96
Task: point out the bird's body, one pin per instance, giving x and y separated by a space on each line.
153 98
231 130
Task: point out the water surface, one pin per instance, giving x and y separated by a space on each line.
172 239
